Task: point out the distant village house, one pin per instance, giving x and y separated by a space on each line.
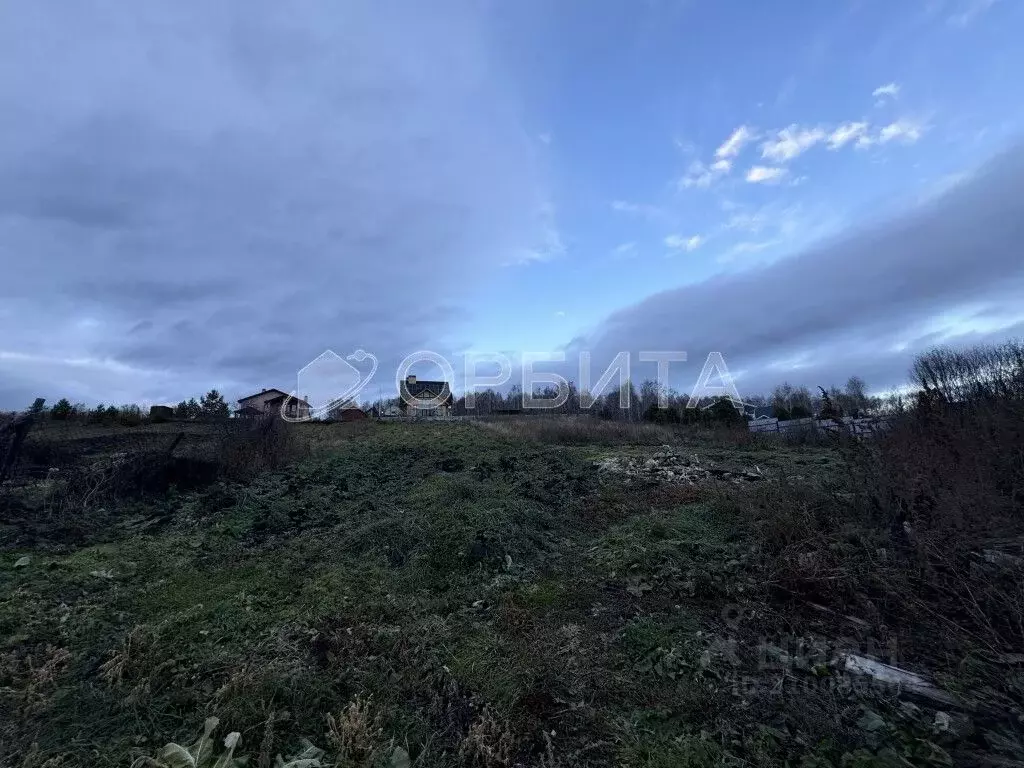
348 411
426 399
269 401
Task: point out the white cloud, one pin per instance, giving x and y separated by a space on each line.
685 146
624 249
934 188
703 176
550 245
749 221
904 130
971 10
774 222
892 90
681 243
544 138
560 313
746 247
697 175
791 142
760 174
846 133
753 247
735 143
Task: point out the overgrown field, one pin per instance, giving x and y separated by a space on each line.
450 595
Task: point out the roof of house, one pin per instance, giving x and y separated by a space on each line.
278 396
282 396
717 401
248 410
428 390
263 394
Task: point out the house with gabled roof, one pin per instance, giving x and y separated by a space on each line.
426 399
270 401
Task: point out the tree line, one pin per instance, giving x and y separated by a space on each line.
209 407
632 403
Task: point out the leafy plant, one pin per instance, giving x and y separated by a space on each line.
202 755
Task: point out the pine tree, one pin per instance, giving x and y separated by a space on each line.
212 405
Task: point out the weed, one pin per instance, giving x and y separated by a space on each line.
489 743
356 734
459 596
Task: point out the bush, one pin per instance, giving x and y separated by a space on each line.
130 415
662 415
925 526
249 449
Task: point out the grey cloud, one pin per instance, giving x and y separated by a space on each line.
147 292
224 191
844 306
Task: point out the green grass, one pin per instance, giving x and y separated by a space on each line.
480 590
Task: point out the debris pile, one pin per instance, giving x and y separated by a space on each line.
670 467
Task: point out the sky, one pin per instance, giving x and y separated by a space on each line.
198 196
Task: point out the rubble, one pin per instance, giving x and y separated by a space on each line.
668 466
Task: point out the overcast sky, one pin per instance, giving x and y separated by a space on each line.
211 195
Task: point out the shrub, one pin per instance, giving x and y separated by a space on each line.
249 449
662 415
924 528
130 415
800 412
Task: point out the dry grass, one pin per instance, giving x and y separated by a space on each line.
267 445
923 531
490 743
582 430
332 435
456 598
356 734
